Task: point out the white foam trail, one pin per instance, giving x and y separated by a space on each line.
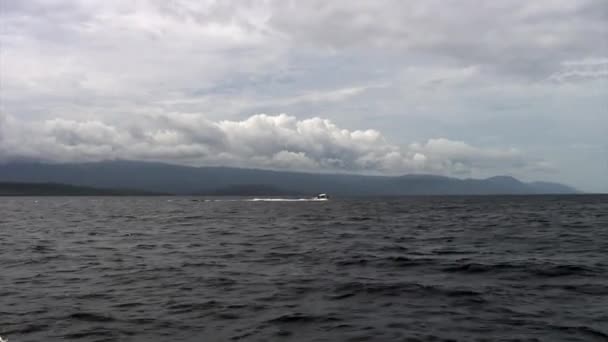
286 200
267 200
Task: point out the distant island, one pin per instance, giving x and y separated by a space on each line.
56 189
149 178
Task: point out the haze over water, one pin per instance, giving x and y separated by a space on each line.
529 268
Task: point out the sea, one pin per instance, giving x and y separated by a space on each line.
478 268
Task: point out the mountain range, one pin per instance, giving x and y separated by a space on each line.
55 189
152 177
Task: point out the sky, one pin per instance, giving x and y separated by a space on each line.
461 88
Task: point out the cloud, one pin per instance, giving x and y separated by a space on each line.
2 124
265 141
460 157
85 80
581 70
111 50
514 37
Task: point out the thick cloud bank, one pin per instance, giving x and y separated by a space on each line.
264 141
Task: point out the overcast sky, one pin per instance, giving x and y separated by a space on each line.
460 88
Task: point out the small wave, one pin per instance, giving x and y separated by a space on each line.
145 246
90 317
128 304
27 329
389 261
192 307
303 318
562 270
397 289
353 261
582 330
90 333
476 268
202 264
360 218
401 261
587 289
542 270
42 248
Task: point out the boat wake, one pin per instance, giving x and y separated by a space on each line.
262 200
318 198
286 200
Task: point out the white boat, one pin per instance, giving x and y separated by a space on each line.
322 197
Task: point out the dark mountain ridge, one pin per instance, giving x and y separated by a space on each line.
175 179
56 189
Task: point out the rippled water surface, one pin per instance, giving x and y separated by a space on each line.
408 269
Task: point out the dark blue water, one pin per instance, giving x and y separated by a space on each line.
411 269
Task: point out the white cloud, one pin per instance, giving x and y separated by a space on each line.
266 141
580 70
